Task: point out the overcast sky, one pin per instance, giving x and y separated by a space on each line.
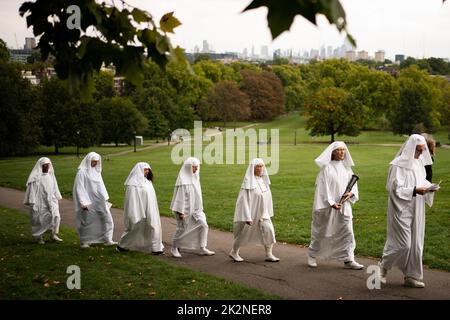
418 28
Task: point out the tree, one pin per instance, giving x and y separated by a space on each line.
419 102
294 86
104 85
376 90
4 52
119 38
121 120
266 94
227 102
58 121
334 111
20 113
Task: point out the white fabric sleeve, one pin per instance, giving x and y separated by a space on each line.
30 194
179 199
242 211
398 184
82 195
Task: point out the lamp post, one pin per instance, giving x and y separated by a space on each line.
78 143
134 141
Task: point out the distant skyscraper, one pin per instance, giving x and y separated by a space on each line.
329 51
205 47
350 55
30 43
314 54
245 53
264 52
399 58
363 55
379 56
277 54
323 52
196 49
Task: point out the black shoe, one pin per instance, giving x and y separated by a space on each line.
158 253
120 249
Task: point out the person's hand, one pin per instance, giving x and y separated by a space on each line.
347 196
249 222
182 216
85 207
421 190
337 206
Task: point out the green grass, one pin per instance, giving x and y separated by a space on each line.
293 124
292 188
32 271
42 150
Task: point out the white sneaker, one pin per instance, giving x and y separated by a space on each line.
235 256
353 265
109 243
175 252
41 241
383 273
206 252
312 262
413 283
85 245
56 238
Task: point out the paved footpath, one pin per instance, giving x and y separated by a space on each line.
290 278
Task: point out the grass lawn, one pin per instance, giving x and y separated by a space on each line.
31 271
292 188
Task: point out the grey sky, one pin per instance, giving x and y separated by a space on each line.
412 27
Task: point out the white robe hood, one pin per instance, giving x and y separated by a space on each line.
325 156
250 179
136 176
37 173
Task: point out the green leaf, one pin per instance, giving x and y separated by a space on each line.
140 16
168 22
281 13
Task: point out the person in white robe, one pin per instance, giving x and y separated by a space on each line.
187 206
141 213
253 213
408 192
332 236
42 196
93 217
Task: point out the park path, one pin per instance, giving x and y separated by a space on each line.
290 278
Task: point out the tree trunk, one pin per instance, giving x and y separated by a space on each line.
56 148
332 137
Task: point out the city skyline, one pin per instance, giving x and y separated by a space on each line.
411 27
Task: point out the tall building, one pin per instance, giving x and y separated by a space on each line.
205 48
350 55
30 43
323 52
399 58
379 56
196 49
264 52
314 54
277 54
245 53
329 52
363 55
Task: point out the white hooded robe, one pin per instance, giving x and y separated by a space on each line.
254 203
94 225
141 213
406 213
192 231
332 230
42 196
